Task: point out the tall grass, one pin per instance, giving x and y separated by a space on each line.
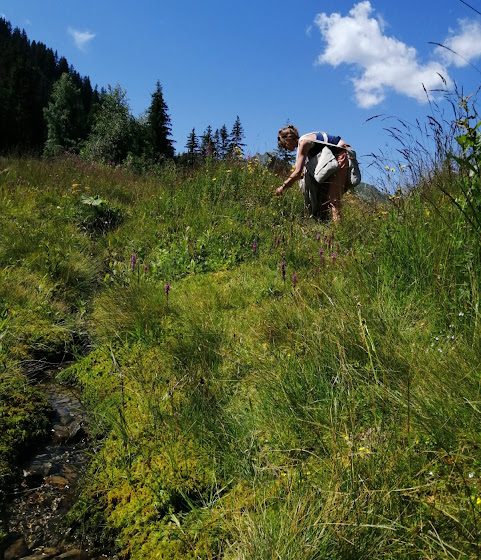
300 390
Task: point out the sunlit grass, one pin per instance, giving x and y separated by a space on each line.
301 390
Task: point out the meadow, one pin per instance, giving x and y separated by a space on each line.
259 385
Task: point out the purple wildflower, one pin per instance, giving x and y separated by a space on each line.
167 289
334 256
321 255
328 240
133 261
254 246
283 268
294 279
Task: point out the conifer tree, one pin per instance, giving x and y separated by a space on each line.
63 117
192 144
235 140
207 143
285 156
224 142
216 143
192 147
160 125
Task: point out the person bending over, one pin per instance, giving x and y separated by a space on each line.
324 198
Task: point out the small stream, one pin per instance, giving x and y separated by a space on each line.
47 489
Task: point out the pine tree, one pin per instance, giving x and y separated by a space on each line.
235 140
224 142
207 143
192 144
160 125
285 156
216 143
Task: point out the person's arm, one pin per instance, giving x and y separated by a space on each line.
302 150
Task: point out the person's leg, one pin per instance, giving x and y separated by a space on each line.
337 185
336 190
316 198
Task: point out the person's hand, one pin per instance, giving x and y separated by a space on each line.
280 190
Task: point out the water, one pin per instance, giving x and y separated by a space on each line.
48 487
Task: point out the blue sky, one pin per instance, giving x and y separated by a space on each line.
322 65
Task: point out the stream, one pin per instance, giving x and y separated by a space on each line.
47 487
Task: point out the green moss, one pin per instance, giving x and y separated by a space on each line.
24 419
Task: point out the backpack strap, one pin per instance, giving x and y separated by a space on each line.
324 136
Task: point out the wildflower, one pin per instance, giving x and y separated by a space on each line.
283 268
364 451
471 475
460 314
294 279
254 246
321 255
334 256
478 501
318 236
167 289
133 261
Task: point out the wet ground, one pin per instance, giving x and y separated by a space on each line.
47 489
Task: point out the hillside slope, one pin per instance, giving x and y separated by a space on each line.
260 385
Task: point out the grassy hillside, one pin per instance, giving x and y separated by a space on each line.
261 386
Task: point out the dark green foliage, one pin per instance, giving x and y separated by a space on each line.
207 146
192 144
28 71
96 215
111 137
64 117
236 145
224 142
159 123
23 422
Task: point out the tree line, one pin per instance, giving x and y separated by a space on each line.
47 108
218 144
28 70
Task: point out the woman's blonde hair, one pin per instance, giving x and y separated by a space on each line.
285 133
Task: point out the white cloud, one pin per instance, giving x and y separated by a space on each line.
465 45
384 62
81 38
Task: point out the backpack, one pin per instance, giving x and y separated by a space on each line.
324 164
354 173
